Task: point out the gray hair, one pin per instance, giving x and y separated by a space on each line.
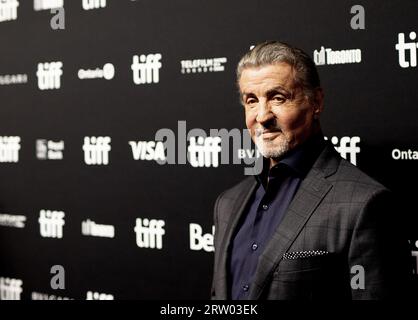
272 52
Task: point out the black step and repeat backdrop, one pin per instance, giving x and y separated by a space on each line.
112 151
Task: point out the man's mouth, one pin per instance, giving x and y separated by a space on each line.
268 133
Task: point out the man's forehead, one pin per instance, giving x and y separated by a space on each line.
268 77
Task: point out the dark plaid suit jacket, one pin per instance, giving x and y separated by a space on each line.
339 211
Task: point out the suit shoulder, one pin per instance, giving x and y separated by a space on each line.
349 179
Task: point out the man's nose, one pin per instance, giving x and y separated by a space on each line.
264 114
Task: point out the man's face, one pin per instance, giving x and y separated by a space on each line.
278 114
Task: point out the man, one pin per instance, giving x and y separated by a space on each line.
311 225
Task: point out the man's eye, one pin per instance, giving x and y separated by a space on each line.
251 101
280 99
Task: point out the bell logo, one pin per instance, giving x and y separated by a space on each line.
200 241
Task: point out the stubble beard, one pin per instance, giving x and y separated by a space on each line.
272 148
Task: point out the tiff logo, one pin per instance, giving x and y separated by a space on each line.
10 289
49 75
347 147
204 152
146 68
9 149
51 223
8 10
149 233
39 5
93 4
403 47
96 150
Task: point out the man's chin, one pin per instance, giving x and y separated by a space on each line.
272 151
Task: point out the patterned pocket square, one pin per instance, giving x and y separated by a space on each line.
303 254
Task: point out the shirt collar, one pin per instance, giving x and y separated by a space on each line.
299 159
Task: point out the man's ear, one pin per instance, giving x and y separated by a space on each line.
318 102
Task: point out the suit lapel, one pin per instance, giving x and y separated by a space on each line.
237 210
310 193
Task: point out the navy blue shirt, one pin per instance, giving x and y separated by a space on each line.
276 189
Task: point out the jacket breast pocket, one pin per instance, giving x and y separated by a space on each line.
319 277
305 264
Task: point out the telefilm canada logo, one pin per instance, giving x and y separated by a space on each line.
203 65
